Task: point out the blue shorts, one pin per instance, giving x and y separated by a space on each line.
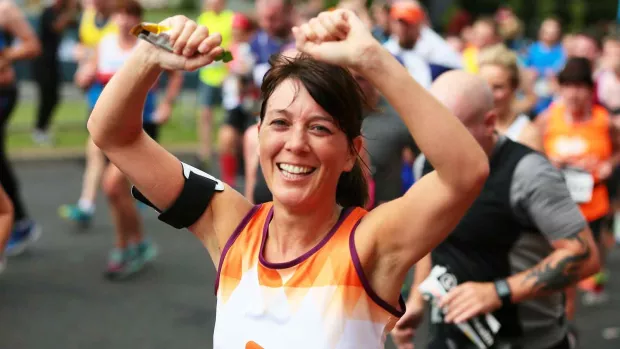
209 96
150 105
92 94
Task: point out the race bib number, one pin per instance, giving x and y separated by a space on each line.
580 185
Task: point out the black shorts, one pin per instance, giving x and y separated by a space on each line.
598 226
239 119
613 184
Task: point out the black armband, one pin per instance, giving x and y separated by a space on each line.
193 200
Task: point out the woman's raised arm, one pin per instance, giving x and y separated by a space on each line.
116 128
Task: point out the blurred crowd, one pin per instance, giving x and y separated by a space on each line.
541 87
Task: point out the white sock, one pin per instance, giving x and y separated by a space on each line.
86 206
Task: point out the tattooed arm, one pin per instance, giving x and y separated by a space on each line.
539 190
574 258
539 197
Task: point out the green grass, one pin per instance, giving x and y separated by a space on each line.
69 126
69 122
157 16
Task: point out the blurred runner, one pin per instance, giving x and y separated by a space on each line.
520 244
580 139
14 25
132 251
218 19
95 23
53 22
498 66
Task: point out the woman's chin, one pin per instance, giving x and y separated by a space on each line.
291 197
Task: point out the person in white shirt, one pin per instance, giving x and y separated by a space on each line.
424 52
498 66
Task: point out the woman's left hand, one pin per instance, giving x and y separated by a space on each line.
336 37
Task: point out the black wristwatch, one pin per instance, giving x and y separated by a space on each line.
503 291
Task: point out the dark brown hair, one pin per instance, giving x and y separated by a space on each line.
337 92
129 7
577 71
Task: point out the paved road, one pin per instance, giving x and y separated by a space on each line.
55 297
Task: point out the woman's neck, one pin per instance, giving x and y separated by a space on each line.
293 233
505 119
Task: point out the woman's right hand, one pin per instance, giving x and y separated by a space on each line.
85 74
193 47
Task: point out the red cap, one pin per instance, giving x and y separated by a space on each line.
240 21
407 11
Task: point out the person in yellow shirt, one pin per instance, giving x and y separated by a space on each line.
485 33
219 20
95 23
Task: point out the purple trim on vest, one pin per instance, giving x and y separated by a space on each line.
371 293
285 265
231 240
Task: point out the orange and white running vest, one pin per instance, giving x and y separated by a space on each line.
318 300
589 139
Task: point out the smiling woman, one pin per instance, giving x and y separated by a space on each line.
312 265
309 104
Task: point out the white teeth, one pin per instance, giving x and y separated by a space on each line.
295 169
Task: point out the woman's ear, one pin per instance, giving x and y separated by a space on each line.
358 148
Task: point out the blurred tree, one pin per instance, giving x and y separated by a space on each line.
189 5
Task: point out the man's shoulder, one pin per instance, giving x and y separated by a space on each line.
535 169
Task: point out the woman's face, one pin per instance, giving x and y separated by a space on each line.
498 79
302 151
576 97
125 22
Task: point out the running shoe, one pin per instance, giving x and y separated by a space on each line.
23 235
74 213
145 253
123 263
120 264
42 138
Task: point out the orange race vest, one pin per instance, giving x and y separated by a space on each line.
589 139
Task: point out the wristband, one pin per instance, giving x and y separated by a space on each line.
503 291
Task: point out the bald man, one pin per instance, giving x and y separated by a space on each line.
522 242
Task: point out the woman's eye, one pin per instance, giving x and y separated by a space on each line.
321 129
278 122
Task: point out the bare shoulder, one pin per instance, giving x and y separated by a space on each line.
11 16
532 137
8 9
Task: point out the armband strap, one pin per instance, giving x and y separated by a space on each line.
197 192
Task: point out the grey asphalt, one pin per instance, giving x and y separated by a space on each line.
54 296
